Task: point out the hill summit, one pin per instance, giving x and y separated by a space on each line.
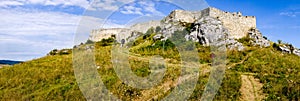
202 26
237 24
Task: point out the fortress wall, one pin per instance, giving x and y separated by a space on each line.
98 35
143 27
122 33
237 24
181 16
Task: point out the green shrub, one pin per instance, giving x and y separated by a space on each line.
106 42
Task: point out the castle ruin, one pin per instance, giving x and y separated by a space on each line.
237 24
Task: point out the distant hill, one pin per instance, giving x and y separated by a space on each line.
9 62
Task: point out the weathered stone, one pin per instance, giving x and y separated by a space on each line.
285 49
122 33
208 26
143 27
180 16
257 38
210 31
236 24
158 36
296 52
98 35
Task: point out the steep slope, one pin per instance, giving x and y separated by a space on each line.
47 78
272 72
52 78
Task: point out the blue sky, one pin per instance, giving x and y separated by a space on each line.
31 28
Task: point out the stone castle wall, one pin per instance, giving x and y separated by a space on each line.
143 27
99 34
122 33
237 24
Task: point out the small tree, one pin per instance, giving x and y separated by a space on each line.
279 41
276 46
150 31
53 52
157 29
291 47
89 42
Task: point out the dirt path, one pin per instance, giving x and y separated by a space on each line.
251 89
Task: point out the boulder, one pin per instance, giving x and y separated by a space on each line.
296 52
157 37
285 49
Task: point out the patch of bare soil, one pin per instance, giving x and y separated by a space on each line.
251 89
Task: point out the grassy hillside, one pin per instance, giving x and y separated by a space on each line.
47 78
52 77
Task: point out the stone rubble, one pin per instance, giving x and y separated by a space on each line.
285 49
297 52
257 38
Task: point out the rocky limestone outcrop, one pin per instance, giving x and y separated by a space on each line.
205 27
209 30
296 52
237 24
289 49
285 49
257 38
169 26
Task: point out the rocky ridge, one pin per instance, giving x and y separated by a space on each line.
203 27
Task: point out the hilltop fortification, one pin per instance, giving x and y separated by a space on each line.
122 33
237 24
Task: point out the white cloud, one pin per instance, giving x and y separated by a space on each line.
132 10
290 13
146 8
149 6
28 33
79 3
5 3
110 5
36 33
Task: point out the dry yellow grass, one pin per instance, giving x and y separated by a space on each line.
251 89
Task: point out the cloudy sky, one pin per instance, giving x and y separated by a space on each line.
31 28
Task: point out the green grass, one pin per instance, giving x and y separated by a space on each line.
52 77
47 78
